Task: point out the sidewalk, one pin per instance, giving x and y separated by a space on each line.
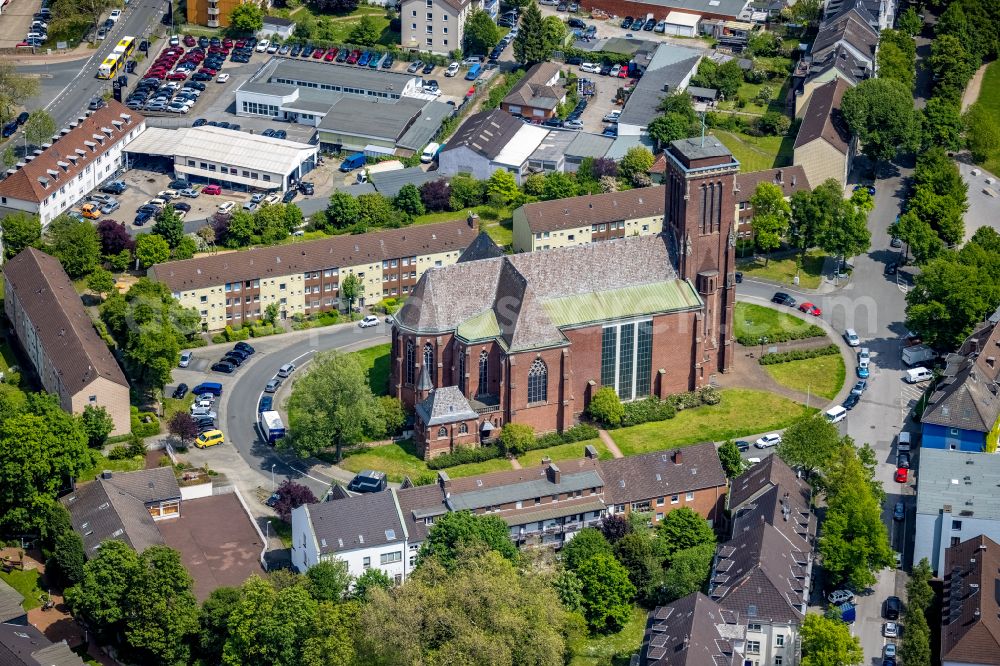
81 52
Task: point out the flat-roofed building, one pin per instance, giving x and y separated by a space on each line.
58 337
303 278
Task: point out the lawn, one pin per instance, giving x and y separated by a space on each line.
760 321
6 357
569 451
742 412
336 29
784 270
822 376
613 650
171 406
25 582
989 98
749 92
102 463
756 153
375 362
400 459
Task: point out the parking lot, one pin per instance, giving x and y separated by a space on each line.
984 199
17 18
602 102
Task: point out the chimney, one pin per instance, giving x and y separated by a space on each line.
778 178
991 361
590 451
677 458
445 482
106 474
553 473
793 180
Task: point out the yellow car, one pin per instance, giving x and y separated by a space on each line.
210 438
90 211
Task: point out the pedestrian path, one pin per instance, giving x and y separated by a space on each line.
610 443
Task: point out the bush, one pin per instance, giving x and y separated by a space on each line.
811 331
605 407
263 330
798 355
650 409
144 424
119 452
710 395
463 455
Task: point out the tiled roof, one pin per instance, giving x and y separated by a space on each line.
967 395
115 507
508 487
25 645
71 154
530 293
823 119
790 179
333 252
595 209
851 28
970 611
62 324
770 472
844 61
692 631
371 519
533 89
10 602
486 133
445 405
483 247
418 503
760 574
662 473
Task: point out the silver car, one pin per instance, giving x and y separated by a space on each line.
110 207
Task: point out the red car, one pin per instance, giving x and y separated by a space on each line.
902 474
330 55
227 43
189 41
318 54
211 189
209 71
177 76
353 58
623 72
240 43
809 308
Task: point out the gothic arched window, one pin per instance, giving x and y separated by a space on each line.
461 370
442 432
429 361
484 379
410 362
463 429
538 382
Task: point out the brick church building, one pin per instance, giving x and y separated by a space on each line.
529 338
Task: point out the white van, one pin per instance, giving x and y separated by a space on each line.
430 152
917 375
903 441
836 414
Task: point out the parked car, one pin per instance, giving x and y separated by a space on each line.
890 630
368 321
209 438
899 511
211 189
781 298
893 608
903 460
272 385
180 391
902 475
265 403
307 188
414 66
224 367
811 309
851 336
851 401
245 347
767 441
860 387
452 69
742 445
575 124
838 597
627 22
186 357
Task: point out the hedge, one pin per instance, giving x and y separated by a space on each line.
140 428
463 455
654 409
799 355
811 331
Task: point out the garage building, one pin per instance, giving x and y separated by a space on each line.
233 159
682 24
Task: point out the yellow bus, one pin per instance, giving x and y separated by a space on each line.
126 46
111 66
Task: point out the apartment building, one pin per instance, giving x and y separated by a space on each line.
545 225
438 26
215 13
58 338
303 278
82 155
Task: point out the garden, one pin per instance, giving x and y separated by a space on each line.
784 269
753 322
822 376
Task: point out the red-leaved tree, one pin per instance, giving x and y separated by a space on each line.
292 495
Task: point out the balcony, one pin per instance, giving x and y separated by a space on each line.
213 11
485 404
212 23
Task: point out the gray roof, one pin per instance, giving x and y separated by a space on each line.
115 507
965 482
841 59
445 405
662 473
553 147
626 46
657 82
532 90
483 247
364 117
696 148
698 91
389 183
425 125
869 9
510 493
851 28
692 631
486 133
10 603
277 20
418 503
25 645
623 143
966 395
585 144
760 574
332 74
371 519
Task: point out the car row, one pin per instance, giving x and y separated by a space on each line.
370 59
200 122
11 127
38 31
233 358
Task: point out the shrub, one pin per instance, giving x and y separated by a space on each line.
119 452
798 355
463 455
811 331
516 438
710 395
144 424
263 330
650 409
606 407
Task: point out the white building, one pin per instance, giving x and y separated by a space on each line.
956 501
234 159
82 155
490 141
366 531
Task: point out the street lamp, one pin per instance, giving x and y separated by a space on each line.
272 477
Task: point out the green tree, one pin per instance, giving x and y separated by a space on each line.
732 461
896 64
486 614
459 530
679 530
97 425
812 213
729 78
343 210
214 623
246 18
880 112
855 543
848 235
99 599
829 642
186 248
331 642
688 572
606 407
951 65
501 188
910 22
240 231
919 236
810 444
587 543
15 89
942 124
466 191
636 162
374 210
559 185
350 289
269 625
335 405
75 244
371 579
481 33
120 262
101 281
607 593
162 610
328 580
982 133
19 230
39 127
948 298
366 32
408 200
771 215
271 313
9 157
516 438
669 127
68 557
919 593
555 32
635 552
915 648
530 45
151 249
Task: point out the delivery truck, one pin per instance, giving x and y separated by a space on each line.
271 427
355 161
918 354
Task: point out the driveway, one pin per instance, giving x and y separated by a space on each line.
984 198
